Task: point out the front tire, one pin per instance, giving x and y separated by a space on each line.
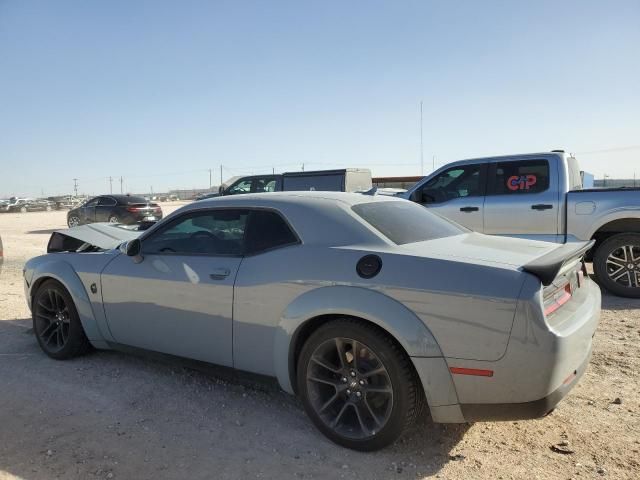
56 323
357 385
616 264
73 221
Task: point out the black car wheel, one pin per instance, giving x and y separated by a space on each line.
357 385
73 221
616 264
56 322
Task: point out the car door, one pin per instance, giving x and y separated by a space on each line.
177 296
522 200
104 208
457 193
262 290
88 211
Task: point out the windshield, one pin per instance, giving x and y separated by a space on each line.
406 222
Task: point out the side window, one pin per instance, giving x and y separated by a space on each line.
518 178
106 202
92 203
215 232
265 185
457 182
267 230
241 187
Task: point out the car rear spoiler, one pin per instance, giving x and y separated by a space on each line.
547 267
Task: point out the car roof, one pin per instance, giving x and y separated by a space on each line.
292 198
318 217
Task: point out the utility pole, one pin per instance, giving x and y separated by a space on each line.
433 163
221 175
421 143
110 184
303 167
75 187
121 180
273 170
210 179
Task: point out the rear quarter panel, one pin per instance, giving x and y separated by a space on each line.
588 210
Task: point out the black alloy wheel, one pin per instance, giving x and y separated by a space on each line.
357 385
56 322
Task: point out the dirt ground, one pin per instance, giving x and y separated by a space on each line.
111 415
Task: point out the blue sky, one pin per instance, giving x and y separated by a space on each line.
160 92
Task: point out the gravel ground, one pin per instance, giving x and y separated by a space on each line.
111 415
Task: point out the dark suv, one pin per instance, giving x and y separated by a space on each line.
114 209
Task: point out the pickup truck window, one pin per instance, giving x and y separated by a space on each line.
518 178
265 185
461 181
240 187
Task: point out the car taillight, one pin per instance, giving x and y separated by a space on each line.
157 210
133 209
556 299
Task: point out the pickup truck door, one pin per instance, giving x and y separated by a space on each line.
456 193
522 199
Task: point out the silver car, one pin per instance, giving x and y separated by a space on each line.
366 307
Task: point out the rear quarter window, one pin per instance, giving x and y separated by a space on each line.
406 222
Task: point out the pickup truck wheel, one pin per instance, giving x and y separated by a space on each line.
616 264
56 322
357 385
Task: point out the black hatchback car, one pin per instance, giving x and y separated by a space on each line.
125 209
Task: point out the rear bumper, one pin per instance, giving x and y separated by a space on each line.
540 367
527 410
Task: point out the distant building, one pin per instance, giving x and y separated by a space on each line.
616 183
395 182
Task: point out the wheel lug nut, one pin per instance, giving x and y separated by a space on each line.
353 373
348 392
358 394
361 382
344 379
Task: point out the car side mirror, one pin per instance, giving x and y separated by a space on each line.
416 196
133 247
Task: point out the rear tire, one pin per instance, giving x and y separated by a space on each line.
366 401
113 219
56 323
23 209
616 264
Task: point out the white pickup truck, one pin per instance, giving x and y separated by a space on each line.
540 196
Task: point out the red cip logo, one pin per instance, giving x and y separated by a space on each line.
521 182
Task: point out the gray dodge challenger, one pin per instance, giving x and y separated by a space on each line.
367 307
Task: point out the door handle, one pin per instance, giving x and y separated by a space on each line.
541 206
469 209
219 274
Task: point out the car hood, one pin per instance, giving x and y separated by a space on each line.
476 247
104 236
